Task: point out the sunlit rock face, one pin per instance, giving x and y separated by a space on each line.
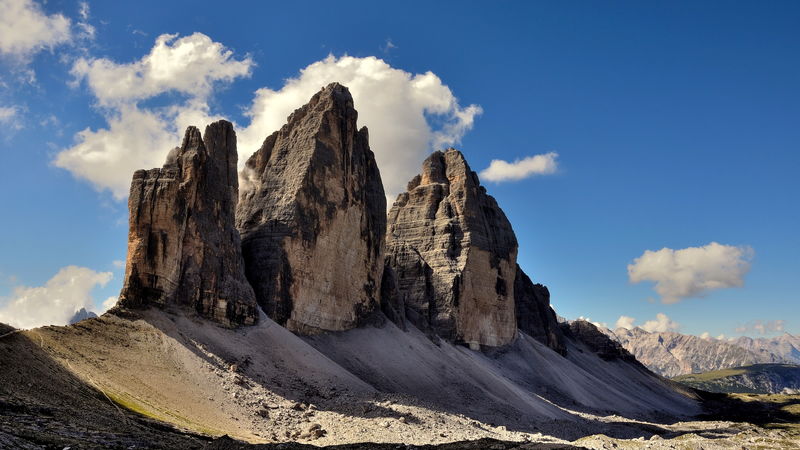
312 216
454 254
183 248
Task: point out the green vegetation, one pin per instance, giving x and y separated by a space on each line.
146 409
779 411
747 379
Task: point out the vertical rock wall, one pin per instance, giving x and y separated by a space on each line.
183 248
454 254
313 217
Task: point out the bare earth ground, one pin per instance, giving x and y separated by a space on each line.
167 381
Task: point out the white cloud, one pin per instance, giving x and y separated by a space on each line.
721 337
500 170
395 105
55 302
138 137
762 327
625 322
190 65
706 335
391 102
693 271
660 324
25 29
118 264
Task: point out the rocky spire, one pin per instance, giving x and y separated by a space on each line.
312 217
183 248
454 254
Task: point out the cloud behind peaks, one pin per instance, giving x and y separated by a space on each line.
54 303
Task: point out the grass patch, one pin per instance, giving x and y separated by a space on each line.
150 411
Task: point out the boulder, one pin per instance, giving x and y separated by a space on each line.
454 253
183 248
312 217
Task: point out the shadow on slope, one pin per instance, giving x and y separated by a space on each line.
42 404
258 383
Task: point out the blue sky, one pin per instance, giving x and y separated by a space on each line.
675 126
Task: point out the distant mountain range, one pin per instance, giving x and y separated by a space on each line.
755 379
672 354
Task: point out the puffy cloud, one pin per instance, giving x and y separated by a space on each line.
706 335
660 324
625 322
139 137
25 29
394 104
190 65
55 302
500 170
762 327
692 271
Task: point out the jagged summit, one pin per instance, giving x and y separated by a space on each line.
313 217
454 253
183 248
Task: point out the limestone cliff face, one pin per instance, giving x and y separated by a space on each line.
535 317
454 254
183 248
313 219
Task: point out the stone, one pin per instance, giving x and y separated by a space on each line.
183 248
454 253
535 317
312 217
598 342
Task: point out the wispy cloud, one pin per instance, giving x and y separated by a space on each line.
762 327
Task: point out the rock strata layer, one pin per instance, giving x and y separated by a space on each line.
454 253
183 248
535 317
312 217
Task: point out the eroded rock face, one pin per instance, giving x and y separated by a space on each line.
454 254
535 317
313 219
183 248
